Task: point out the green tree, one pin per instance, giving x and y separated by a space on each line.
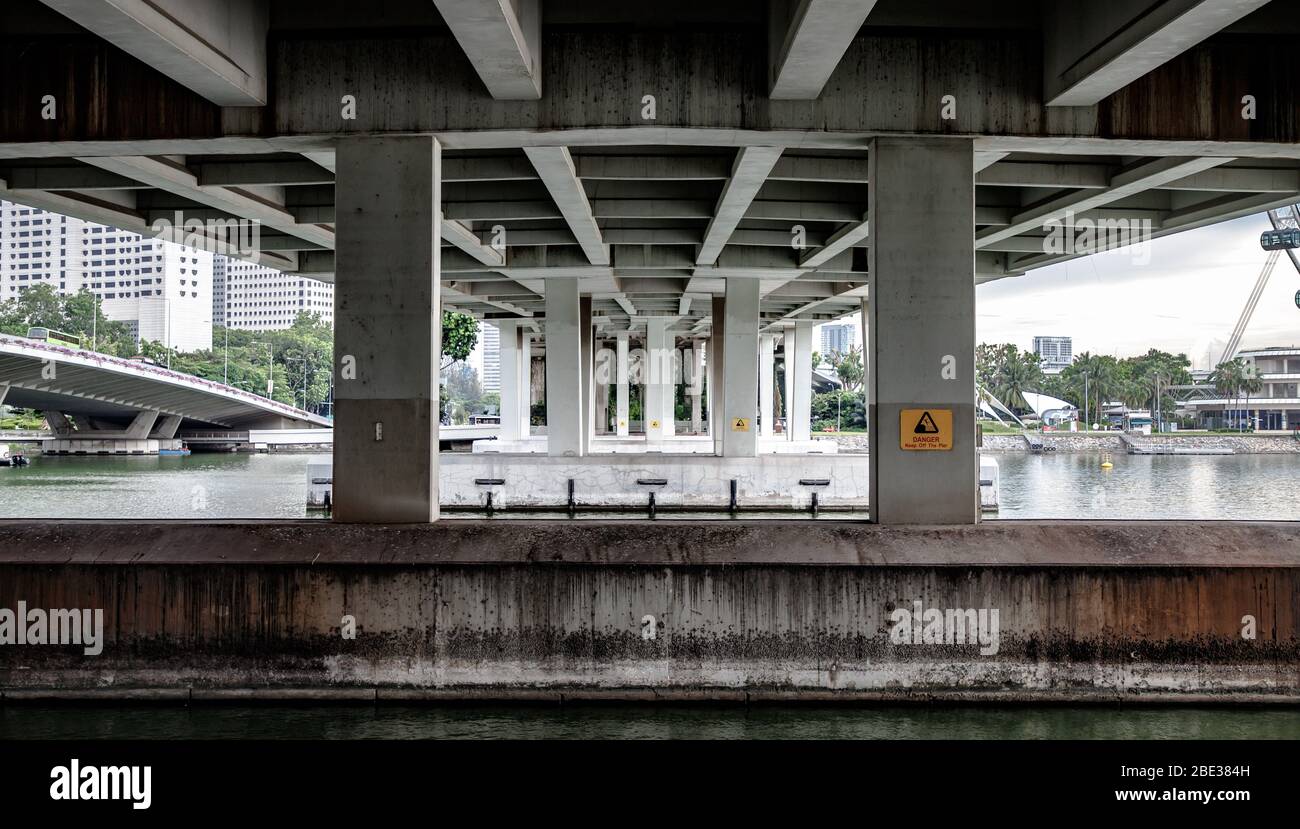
459 336
848 367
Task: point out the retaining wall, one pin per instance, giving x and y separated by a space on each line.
764 609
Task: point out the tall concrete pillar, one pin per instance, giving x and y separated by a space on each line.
866 357
564 381
717 350
588 369
658 381
921 330
740 369
526 381
387 329
620 386
800 401
697 386
766 377
600 384
514 371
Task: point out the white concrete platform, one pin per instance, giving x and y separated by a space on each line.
676 445
681 480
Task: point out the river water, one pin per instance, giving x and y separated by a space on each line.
644 722
273 486
1057 485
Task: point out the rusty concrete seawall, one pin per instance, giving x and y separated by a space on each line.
1084 611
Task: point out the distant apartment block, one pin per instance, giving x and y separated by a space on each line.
258 298
1054 353
160 290
837 339
490 343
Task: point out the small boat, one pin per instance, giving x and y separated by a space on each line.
182 452
12 459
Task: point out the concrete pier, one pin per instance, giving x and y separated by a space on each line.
1085 611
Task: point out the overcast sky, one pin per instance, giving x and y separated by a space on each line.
1185 299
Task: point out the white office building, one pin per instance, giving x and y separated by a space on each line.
1054 353
258 298
489 341
161 290
837 338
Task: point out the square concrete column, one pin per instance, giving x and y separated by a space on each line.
620 385
740 369
565 399
588 373
387 329
717 349
526 380
697 386
658 381
921 329
799 424
766 377
600 385
514 398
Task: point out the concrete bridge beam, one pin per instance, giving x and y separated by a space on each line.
141 425
503 41
166 426
807 40
388 330
217 48
921 329
1094 49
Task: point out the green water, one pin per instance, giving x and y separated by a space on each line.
644 722
1058 485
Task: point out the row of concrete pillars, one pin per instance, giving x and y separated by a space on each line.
657 361
919 320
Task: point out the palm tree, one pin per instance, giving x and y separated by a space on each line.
1228 378
1250 384
1018 374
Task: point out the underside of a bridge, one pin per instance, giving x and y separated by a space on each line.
713 170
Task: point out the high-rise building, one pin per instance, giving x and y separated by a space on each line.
258 298
1054 353
490 342
161 290
837 338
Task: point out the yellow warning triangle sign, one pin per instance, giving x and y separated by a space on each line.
926 425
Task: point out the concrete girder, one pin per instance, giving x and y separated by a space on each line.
747 176
215 47
94 209
808 38
503 40
1092 50
246 172
846 237
555 167
173 176
1136 178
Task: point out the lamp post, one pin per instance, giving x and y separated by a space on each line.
303 358
270 367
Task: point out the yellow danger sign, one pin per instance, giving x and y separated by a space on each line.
925 429
740 424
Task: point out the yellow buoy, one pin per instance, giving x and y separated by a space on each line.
1105 462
